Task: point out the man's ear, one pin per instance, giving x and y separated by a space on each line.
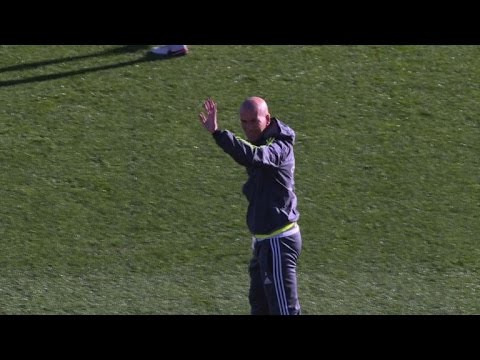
267 117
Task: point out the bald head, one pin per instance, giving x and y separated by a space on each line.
254 117
256 104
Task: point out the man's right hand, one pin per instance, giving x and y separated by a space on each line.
209 120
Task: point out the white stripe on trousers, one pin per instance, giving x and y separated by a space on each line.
278 275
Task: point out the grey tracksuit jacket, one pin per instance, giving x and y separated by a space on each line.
270 164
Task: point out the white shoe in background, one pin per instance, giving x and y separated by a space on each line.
170 50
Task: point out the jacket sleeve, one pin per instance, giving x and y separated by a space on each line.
247 154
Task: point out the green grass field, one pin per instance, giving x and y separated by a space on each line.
114 200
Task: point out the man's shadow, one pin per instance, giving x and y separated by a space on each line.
117 51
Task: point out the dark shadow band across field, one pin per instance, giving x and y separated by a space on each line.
125 49
116 51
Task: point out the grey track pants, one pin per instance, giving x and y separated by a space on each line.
273 275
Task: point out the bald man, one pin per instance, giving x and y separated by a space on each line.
272 213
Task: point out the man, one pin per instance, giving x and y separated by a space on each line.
272 211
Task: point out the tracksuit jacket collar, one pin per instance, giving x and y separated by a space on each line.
278 130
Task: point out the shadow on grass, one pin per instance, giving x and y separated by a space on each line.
117 51
124 49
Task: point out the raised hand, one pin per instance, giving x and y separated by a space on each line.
209 120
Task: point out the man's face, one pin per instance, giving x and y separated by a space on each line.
253 123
